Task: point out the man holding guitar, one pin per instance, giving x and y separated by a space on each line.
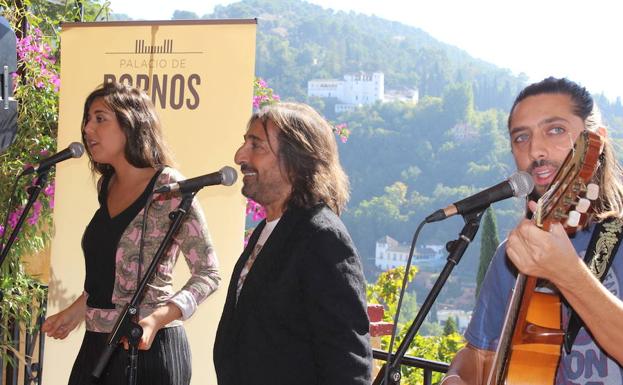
584 268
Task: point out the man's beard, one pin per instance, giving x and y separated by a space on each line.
534 196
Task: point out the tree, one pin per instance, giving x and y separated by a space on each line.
386 290
184 15
431 347
458 103
383 213
488 244
36 86
451 326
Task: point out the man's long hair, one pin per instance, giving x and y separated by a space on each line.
609 175
308 154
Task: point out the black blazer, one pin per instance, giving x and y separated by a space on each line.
301 316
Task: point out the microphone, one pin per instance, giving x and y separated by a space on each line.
74 150
519 184
225 176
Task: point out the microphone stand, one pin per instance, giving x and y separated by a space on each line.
126 324
456 250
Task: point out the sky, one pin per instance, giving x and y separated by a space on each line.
580 40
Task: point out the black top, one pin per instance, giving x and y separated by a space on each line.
99 244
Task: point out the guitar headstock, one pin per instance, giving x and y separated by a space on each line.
568 198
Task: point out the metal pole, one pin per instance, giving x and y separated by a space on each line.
22 29
21 32
81 7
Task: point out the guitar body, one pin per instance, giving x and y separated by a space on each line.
537 340
530 345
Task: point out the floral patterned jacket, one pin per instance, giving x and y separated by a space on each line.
192 239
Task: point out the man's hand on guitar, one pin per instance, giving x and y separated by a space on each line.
540 253
470 366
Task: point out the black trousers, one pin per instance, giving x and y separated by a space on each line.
167 362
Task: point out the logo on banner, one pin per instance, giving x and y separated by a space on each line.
159 70
166 47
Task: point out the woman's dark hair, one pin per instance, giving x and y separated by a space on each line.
136 114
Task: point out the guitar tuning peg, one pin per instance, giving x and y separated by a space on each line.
583 205
573 220
592 191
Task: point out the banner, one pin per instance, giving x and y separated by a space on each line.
199 75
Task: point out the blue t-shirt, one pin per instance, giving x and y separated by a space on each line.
587 364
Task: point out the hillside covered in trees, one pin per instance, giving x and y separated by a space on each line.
298 41
405 160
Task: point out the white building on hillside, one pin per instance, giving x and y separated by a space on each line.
355 90
408 95
359 89
362 88
325 88
390 254
462 316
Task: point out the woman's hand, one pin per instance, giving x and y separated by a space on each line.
150 327
59 325
154 322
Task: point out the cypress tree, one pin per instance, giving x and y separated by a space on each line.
489 242
451 326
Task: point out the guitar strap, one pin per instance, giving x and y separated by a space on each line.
601 250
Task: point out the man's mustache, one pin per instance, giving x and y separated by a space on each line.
246 168
541 163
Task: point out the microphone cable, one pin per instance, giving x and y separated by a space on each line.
141 248
141 252
400 298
